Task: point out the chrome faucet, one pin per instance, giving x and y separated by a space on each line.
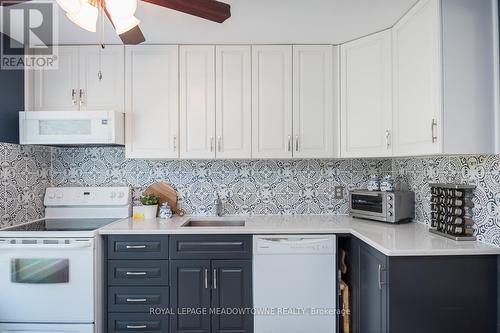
218 206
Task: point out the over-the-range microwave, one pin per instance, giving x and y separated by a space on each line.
392 207
73 128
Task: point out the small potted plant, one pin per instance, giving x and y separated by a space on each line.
150 205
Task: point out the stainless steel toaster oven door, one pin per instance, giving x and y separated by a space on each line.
368 204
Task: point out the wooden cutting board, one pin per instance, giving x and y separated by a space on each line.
166 193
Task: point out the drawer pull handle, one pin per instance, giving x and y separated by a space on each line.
136 327
136 246
137 273
132 300
215 278
206 278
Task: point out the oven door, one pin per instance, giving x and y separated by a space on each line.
46 328
368 204
46 280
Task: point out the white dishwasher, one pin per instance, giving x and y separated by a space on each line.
294 283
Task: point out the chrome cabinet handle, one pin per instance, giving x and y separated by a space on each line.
136 327
434 130
81 97
211 144
175 143
132 300
136 273
380 282
219 143
73 96
136 246
215 278
296 143
206 278
289 143
387 139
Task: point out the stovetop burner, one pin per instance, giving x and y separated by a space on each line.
62 225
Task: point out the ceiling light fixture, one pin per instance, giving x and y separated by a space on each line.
84 13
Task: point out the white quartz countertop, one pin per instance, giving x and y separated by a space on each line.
411 239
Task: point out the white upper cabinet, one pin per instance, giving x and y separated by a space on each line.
152 101
76 84
197 102
314 100
54 89
101 78
366 105
417 81
272 101
233 102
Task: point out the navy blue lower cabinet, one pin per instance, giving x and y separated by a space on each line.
431 294
232 296
190 285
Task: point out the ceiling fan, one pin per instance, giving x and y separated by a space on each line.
85 13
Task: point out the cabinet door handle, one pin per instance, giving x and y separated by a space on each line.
138 300
136 246
289 143
73 96
296 143
206 278
136 327
215 278
175 143
434 130
81 97
387 139
219 143
380 283
136 273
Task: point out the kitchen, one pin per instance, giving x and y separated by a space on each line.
330 167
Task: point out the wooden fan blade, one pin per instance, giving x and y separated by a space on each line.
132 37
208 9
10 2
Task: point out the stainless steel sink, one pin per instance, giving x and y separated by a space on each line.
213 223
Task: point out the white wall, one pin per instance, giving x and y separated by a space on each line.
259 21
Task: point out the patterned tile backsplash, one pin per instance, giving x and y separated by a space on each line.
245 187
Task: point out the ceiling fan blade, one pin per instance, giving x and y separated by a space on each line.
132 37
10 2
208 9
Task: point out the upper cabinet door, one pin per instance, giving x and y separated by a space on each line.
417 81
233 102
102 78
272 101
366 112
56 89
152 102
313 101
197 102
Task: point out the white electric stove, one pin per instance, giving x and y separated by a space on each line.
51 269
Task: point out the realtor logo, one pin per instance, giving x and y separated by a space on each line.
29 35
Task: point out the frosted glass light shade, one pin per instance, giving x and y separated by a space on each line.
70 6
121 8
123 25
86 18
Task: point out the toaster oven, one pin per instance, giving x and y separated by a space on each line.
391 207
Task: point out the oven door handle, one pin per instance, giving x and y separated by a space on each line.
46 246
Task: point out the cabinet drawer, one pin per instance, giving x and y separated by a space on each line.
137 322
138 247
211 247
137 299
135 272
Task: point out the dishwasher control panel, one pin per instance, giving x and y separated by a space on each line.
291 244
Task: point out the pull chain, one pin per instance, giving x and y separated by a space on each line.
101 31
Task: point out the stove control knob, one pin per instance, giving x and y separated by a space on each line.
52 195
112 195
59 195
121 195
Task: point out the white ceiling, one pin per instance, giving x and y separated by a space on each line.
259 21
